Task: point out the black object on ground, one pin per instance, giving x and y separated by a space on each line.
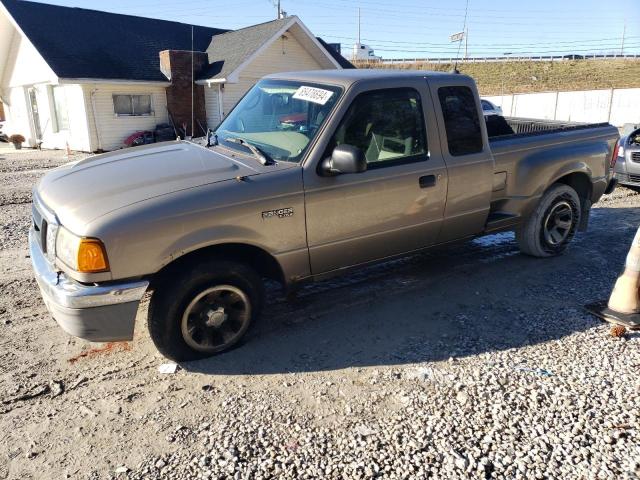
602 311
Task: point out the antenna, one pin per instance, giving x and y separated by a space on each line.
280 14
464 29
466 42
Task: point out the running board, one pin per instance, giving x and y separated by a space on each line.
500 221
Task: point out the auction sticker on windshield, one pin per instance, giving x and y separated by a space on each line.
312 94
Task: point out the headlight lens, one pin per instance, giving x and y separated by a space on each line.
52 231
86 255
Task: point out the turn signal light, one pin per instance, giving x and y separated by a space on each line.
92 257
614 157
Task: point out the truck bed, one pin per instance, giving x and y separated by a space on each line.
528 154
499 128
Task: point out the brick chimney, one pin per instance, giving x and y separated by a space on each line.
176 66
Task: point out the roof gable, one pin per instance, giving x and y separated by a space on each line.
81 43
230 52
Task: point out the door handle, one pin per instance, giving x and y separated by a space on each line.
427 181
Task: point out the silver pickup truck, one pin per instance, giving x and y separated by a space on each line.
312 173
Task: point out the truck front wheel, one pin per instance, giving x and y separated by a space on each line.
552 224
204 310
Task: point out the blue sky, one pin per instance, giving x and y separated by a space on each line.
414 28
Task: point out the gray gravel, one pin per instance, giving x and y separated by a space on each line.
470 361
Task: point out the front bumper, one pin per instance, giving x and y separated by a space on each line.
627 179
99 313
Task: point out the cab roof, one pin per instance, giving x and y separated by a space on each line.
348 77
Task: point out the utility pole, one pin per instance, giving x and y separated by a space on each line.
624 31
466 42
358 27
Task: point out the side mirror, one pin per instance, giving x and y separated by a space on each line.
344 159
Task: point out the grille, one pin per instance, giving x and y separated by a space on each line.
40 227
634 178
635 157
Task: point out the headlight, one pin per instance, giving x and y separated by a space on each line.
85 255
621 151
50 247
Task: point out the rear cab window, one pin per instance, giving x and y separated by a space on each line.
461 120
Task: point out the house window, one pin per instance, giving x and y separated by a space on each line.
60 111
132 105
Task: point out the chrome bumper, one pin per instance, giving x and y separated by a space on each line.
99 313
627 179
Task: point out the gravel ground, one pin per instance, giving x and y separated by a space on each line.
471 361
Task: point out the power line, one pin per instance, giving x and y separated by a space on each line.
501 45
612 42
423 11
403 7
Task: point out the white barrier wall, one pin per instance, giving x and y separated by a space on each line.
535 105
616 106
625 107
591 106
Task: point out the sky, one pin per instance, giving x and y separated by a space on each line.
421 28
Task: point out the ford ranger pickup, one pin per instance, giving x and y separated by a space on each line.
310 175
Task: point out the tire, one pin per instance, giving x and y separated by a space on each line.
548 230
205 309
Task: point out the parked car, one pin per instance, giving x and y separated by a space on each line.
490 108
627 160
343 168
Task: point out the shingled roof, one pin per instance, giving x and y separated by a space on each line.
81 43
230 50
337 56
78 43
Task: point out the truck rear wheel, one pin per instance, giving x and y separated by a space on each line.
204 310
552 224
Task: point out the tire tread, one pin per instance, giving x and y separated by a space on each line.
172 290
528 234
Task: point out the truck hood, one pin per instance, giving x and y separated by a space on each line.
83 191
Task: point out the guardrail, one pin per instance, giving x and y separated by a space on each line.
511 58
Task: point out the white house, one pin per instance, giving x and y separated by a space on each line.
89 79
238 59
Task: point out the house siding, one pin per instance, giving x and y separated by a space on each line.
113 129
77 135
18 120
24 67
271 60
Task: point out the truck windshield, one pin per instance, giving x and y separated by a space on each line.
280 117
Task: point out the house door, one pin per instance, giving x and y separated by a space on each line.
35 116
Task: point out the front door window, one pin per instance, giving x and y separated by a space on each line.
387 125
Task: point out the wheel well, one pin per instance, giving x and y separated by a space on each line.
260 260
580 182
